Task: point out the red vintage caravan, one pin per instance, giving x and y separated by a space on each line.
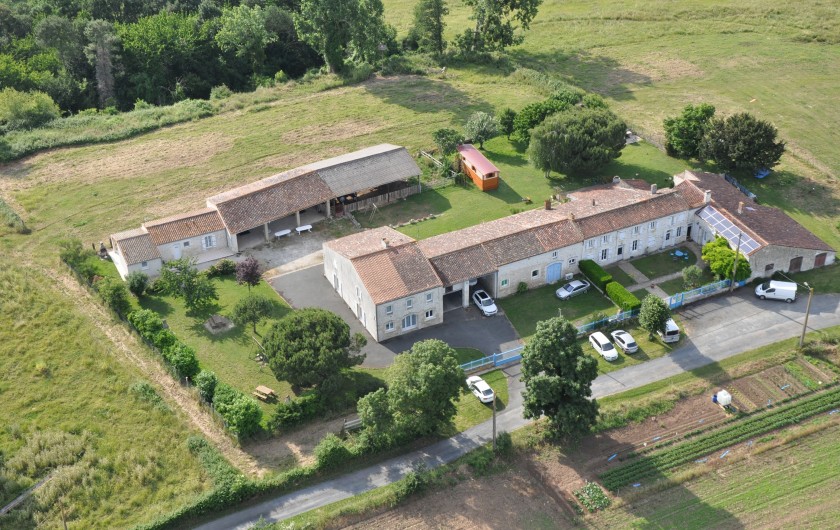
480 170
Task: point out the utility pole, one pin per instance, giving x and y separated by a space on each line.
807 313
494 422
735 263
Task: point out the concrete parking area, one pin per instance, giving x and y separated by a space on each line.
460 329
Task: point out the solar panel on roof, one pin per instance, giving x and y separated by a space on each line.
724 227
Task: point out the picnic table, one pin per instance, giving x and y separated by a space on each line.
304 228
264 393
282 233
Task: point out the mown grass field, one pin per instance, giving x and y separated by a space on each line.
61 375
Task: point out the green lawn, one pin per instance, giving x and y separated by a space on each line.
661 264
677 285
471 411
231 355
466 355
640 293
826 280
620 276
648 349
524 310
61 374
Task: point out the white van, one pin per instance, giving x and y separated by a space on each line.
777 291
672 331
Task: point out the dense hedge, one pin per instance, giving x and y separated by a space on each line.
180 356
595 273
623 298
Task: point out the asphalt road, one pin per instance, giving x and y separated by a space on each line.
717 329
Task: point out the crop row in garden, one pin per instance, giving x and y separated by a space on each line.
737 432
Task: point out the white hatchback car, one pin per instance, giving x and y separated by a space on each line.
603 346
481 389
625 341
484 303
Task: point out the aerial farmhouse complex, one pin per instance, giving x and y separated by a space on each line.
395 284
255 213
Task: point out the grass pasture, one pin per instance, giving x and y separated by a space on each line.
61 376
471 411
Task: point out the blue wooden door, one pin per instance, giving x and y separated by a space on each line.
553 273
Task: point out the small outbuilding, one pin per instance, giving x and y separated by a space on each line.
480 170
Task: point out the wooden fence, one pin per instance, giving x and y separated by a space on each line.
381 200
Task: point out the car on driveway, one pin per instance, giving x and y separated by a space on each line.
571 289
603 346
481 389
484 303
625 341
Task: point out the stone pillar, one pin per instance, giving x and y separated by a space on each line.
233 241
267 235
297 218
465 294
329 214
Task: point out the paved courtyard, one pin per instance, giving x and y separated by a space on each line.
461 328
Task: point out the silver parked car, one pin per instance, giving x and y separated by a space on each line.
625 341
571 289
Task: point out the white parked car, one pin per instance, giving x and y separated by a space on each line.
571 289
625 341
481 389
484 303
603 346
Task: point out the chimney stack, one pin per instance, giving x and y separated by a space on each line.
707 198
740 207
653 189
384 243
616 179
548 204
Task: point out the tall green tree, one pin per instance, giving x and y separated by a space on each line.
496 24
577 141
342 29
447 140
721 257
684 133
741 141
308 346
25 110
101 51
558 379
243 30
481 127
429 25
653 315
506 120
252 309
180 278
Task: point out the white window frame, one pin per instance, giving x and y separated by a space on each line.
572 261
430 314
679 231
412 318
185 244
409 303
590 243
554 255
668 235
144 265
389 309
652 226
535 273
505 282
389 326
637 229
605 239
635 246
672 220
208 241
358 293
605 254
429 298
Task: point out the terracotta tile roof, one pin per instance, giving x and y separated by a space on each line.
184 226
650 207
477 159
269 199
461 265
367 242
558 234
395 272
765 223
135 246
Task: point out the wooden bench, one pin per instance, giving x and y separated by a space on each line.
282 233
264 393
304 228
350 426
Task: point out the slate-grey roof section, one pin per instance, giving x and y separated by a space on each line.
367 168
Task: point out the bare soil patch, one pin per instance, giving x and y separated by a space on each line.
653 67
513 499
295 448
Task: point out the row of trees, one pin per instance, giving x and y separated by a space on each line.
739 141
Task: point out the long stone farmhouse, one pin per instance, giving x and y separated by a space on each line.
252 214
396 285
